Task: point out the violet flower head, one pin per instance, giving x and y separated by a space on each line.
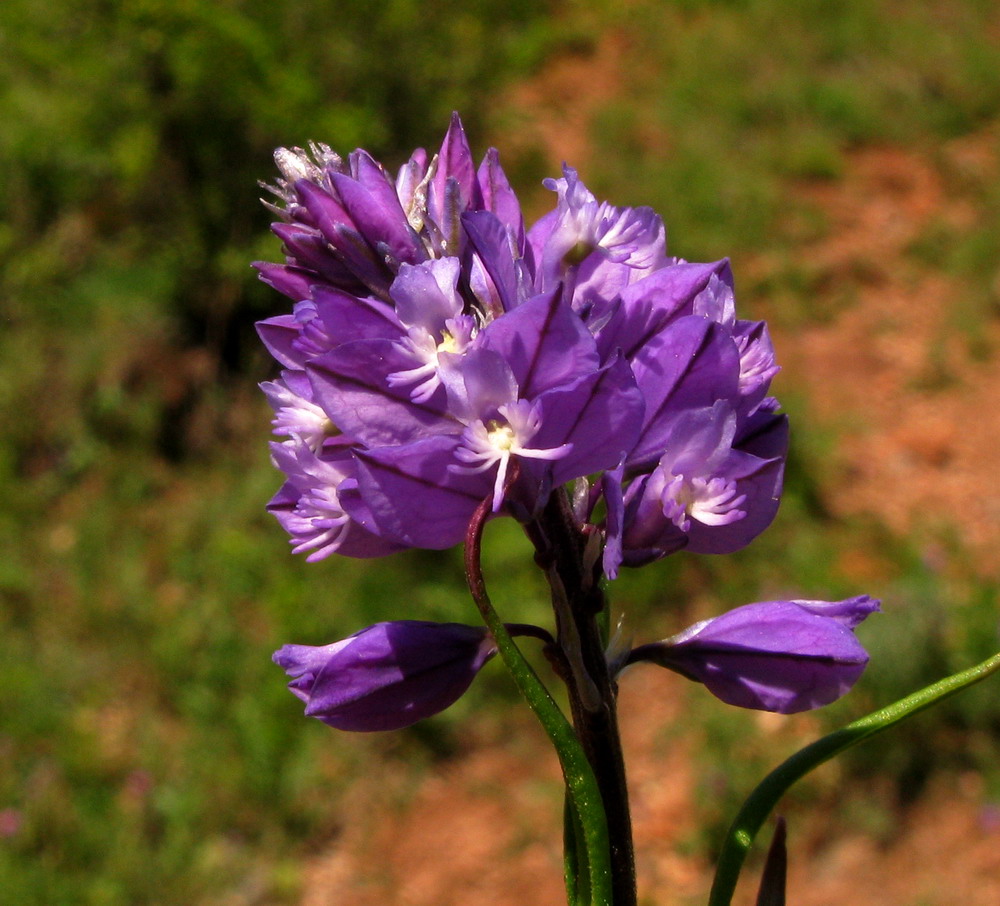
437 354
387 676
784 656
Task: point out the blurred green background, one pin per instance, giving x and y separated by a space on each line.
151 753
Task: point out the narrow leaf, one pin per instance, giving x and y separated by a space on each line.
762 800
774 878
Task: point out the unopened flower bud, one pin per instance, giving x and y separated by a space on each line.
387 676
784 656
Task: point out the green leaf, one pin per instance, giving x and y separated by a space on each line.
762 800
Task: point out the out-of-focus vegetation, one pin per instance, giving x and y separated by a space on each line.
150 750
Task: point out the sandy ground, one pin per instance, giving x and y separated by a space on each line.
908 385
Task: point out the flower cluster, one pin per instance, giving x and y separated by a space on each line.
434 342
438 354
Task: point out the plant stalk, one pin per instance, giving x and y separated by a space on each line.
587 825
561 549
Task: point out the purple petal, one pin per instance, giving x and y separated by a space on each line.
453 188
325 211
757 362
741 503
614 524
278 334
599 414
414 497
351 384
408 181
373 206
771 656
649 304
348 317
293 282
851 611
308 248
759 481
310 507
691 364
489 239
544 343
764 434
499 197
339 230
387 676
426 295
480 385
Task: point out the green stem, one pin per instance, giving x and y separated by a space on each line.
570 558
581 784
763 799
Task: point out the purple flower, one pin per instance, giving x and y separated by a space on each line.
437 354
349 226
598 247
387 676
295 413
706 472
783 656
312 504
711 491
530 387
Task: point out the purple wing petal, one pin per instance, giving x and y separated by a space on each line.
374 207
387 676
351 385
649 304
772 656
599 414
489 239
544 343
347 317
453 188
277 334
691 364
426 294
293 282
499 197
414 497
759 480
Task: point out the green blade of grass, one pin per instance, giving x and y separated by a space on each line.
762 800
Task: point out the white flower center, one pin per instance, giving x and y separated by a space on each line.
426 347
710 501
494 442
318 523
449 343
500 436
